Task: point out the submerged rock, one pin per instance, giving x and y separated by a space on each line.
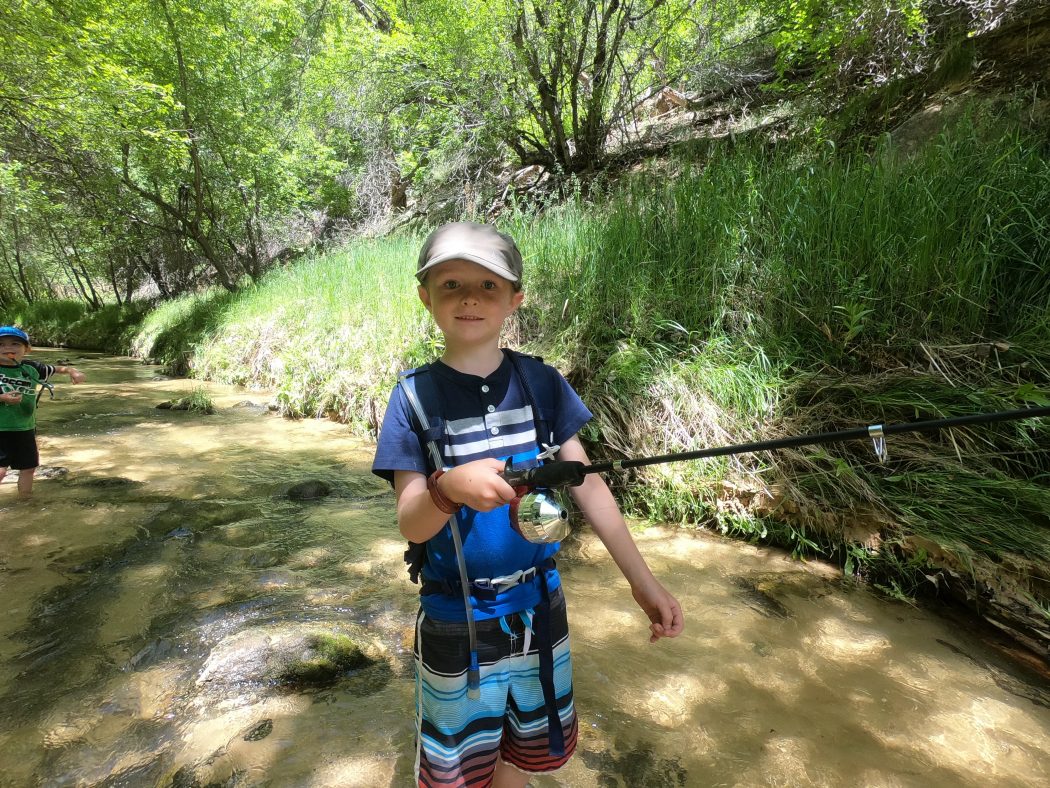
51 472
108 483
759 599
638 766
259 731
290 656
309 490
182 532
323 659
198 515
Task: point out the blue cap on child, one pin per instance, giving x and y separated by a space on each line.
17 333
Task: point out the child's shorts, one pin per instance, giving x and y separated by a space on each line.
457 739
18 450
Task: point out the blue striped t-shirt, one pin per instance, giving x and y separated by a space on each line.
483 417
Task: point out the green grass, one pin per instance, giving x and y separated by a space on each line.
70 324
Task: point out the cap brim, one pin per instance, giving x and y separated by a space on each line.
502 272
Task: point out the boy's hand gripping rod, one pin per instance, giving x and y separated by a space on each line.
567 473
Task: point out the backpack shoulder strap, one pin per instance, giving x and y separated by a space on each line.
416 554
430 427
535 380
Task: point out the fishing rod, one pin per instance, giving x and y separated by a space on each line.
544 518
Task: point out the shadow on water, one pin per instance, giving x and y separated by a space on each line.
160 592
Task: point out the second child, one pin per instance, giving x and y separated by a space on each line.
19 379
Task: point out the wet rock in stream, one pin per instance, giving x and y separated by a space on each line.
309 490
289 656
638 766
259 731
763 592
107 483
1012 678
188 404
50 472
760 600
197 515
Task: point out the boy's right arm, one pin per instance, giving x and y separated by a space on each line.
477 485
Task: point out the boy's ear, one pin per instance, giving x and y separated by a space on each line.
424 296
516 299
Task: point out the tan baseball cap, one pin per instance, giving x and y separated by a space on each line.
479 243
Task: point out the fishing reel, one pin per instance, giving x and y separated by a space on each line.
540 512
540 516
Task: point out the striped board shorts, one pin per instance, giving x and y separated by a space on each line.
458 740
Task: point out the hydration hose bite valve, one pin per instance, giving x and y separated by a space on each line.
474 678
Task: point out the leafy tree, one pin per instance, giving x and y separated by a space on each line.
180 127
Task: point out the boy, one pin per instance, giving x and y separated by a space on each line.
511 623
19 379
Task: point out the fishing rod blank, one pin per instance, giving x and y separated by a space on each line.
564 473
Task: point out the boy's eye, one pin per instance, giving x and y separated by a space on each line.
450 284
488 284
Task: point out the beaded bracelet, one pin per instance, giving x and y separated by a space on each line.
443 503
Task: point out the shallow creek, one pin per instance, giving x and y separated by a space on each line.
146 588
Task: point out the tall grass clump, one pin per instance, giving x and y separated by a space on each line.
812 248
70 323
173 332
790 289
329 335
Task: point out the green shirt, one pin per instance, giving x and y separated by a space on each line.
22 416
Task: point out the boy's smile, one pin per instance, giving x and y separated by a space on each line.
468 302
11 352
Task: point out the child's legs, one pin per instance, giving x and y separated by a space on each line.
5 463
457 738
25 481
18 450
526 740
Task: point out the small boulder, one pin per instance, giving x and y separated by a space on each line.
309 490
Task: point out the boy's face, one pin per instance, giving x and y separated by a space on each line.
11 351
468 302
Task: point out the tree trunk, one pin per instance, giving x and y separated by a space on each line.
20 273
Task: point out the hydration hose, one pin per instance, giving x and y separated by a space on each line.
474 671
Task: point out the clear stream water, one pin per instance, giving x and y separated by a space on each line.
144 588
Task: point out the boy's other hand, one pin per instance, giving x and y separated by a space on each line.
11 397
663 610
76 376
477 484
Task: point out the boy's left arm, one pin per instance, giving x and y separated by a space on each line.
75 375
47 370
600 509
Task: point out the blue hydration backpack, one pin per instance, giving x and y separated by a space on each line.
418 388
